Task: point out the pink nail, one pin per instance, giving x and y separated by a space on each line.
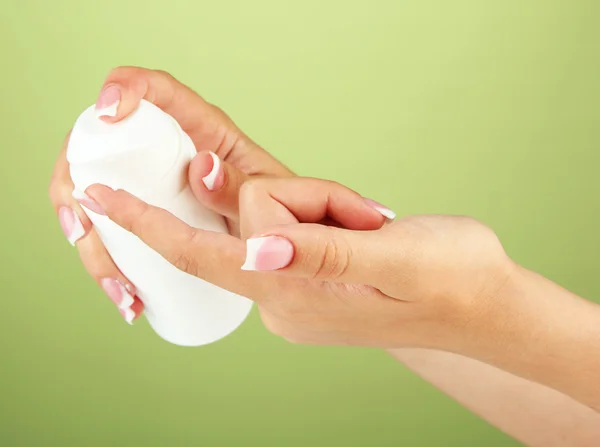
383 210
117 293
88 202
268 253
108 101
215 179
70 224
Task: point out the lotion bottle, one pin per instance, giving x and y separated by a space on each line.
147 154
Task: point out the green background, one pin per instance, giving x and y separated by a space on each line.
485 108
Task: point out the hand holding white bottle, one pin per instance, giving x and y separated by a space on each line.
147 154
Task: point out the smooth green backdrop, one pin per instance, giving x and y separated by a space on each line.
487 108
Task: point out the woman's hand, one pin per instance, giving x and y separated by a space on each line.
215 186
426 281
438 282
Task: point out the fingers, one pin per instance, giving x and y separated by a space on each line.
208 126
73 220
271 210
268 202
216 184
100 266
125 87
79 231
214 257
374 258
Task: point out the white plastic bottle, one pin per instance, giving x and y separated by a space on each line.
147 154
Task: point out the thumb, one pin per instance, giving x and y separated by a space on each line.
283 201
314 251
125 87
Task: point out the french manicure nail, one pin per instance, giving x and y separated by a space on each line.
117 293
127 314
70 224
88 202
108 101
383 210
216 177
268 253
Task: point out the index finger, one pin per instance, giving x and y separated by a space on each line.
213 257
278 201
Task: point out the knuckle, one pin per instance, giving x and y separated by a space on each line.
164 73
123 71
53 190
217 109
94 257
252 192
59 190
184 259
139 220
185 262
334 258
251 189
93 263
130 75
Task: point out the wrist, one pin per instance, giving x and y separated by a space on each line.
505 319
480 307
540 331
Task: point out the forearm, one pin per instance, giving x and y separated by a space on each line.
532 413
542 332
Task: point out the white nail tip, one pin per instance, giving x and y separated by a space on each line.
252 247
385 212
111 110
77 232
209 180
80 195
126 299
129 315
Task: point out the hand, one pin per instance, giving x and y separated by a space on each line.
425 281
210 130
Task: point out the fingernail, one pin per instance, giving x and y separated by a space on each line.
383 210
117 292
88 202
268 253
216 177
70 224
108 101
128 314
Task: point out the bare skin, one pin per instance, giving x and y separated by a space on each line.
443 283
536 415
